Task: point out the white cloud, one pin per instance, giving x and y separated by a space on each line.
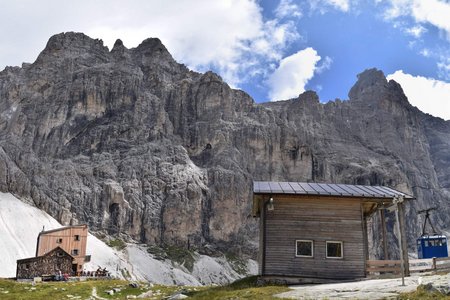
416 31
396 9
321 5
444 68
229 36
340 4
287 8
429 95
425 52
433 12
325 65
292 74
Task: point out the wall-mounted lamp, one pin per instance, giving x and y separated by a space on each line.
270 204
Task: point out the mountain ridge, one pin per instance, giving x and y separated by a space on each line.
136 145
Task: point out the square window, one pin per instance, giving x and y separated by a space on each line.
59 240
335 249
74 252
77 237
304 248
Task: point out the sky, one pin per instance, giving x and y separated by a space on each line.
272 49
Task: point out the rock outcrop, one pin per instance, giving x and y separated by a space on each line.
135 144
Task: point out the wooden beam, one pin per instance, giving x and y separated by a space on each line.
262 242
404 245
365 238
384 235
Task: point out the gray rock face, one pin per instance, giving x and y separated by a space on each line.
135 144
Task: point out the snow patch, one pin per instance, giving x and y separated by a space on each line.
158 271
20 224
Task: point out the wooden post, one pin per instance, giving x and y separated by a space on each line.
399 232
262 237
384 234
365 239
404 244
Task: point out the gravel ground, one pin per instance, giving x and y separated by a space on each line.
367 289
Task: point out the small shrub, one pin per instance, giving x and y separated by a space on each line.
237 264
117 244
180 255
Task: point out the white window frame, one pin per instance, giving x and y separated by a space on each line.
312 248
334 242
75 252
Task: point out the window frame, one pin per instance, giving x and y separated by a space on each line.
77 237
75 252
334 242
59 240
312 248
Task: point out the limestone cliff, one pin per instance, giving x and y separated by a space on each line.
135 144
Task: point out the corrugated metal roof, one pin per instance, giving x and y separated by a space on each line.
325 189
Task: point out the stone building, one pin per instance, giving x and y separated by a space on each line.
48 264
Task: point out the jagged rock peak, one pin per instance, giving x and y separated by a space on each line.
118 43
152 45
309 96
152 51
372 86
119 50
70 45
370 79
68 40
210 76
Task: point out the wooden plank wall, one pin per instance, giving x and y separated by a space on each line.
320 220
48 242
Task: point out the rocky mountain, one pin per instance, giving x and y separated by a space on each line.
137 145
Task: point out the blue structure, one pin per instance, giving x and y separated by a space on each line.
429 246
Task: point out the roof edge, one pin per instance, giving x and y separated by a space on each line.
62 228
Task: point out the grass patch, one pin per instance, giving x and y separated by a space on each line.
423 294
237 264
182 256
242 289
157 252
245 288
125 273
12 290
117 244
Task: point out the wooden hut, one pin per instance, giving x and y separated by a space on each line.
72 239
51 263
317 231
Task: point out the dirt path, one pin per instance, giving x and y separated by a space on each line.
368 289
94 294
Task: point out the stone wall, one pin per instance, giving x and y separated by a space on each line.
49 264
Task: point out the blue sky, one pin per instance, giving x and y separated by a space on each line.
273 49
361 37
